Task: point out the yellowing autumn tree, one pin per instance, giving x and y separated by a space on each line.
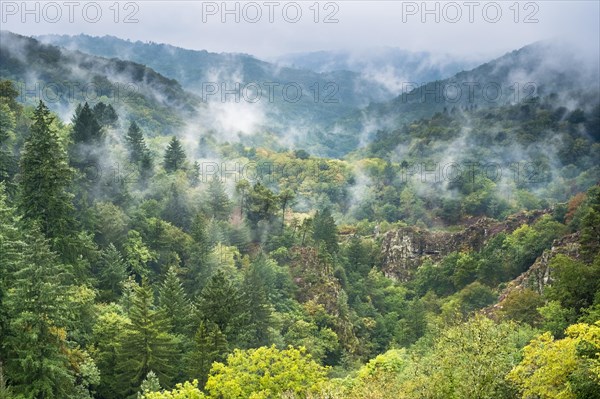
567 368
265 373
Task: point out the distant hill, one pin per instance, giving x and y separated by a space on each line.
63 78
193 69
393 67
540 69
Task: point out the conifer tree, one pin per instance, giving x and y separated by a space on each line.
200 265
87 137
325 230
174 302
149 385
220 303
176 209
135 143
86 129
105 114
146 346
9 111
210 345
257 310
286 199
36 363
218 200
45 177
10 258
113 273
174 158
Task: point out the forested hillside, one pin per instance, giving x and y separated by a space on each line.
450 251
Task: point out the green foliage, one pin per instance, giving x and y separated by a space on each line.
174 158
523 306
136 143
325 230
149 385
44 180
590 232
260 205
265 373
36 343
561 369
218 200
210 345
146 345
186 390
575 283
174 302
468 361
220 303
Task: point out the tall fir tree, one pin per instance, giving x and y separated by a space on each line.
174 158
11 244
86 129
218 200
175 303
135 143
112 274
10 110
325 230
146 346
177 209
201 265
87 137
105 115
254 331
220 303
45 178
210 345
37 364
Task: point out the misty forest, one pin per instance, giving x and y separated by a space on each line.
163 237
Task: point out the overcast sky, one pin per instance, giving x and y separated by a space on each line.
464 28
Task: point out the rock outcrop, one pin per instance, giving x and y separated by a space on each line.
405 249
539 275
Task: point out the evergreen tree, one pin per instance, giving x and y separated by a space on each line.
10 259
135 143
45 177
257 309
260 205
218 200
105 114
194 175
113 273
200 265
210 345
174 158
174 302
9 112
325 230
220 303
146 346
177 210
86 129
87 137
36 363
150 384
